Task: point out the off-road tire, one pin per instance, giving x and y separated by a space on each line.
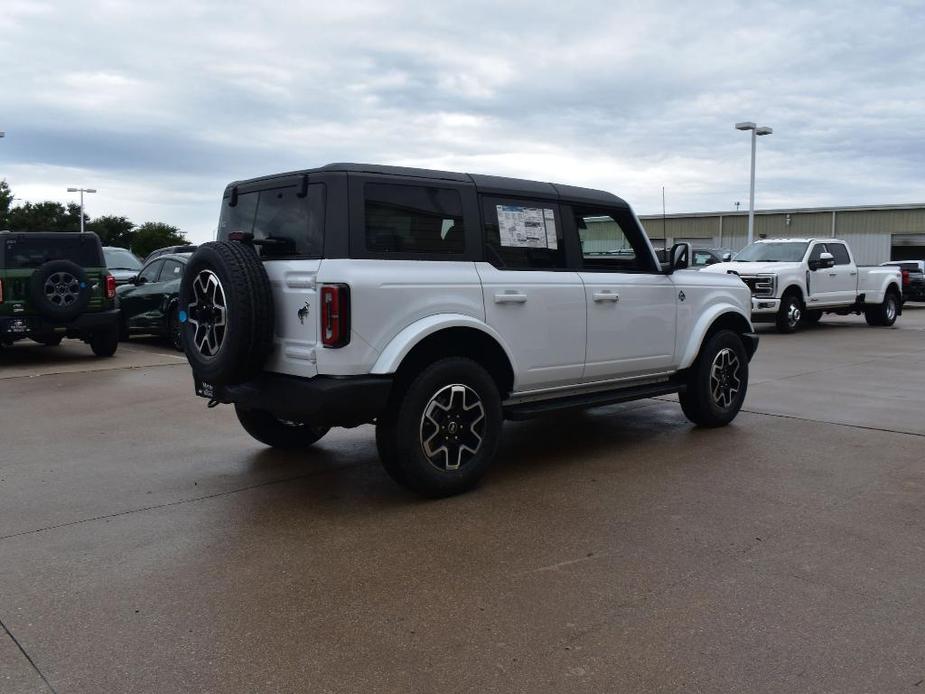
789 314
105 341
247 337
79 297
278 432
698 401
401 434
883 314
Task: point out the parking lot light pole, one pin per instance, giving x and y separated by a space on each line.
81 191
756 131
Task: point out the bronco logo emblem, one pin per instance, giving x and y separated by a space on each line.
303 313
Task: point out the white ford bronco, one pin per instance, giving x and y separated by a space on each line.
795 281
438 304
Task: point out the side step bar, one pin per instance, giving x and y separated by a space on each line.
528 410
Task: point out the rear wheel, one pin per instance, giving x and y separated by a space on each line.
279 432
105 342
443 433
789 314
717 382
884 313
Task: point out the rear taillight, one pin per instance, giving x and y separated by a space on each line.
335 315
906 279
110 286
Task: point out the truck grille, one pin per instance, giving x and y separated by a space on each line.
760 286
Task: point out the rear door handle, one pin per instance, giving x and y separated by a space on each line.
511 298
606 296
833 274
852 273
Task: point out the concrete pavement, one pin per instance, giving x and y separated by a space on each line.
148 544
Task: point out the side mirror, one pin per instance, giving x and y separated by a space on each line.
826 260
679 257
138 280
727 257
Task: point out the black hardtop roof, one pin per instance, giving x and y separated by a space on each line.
500 185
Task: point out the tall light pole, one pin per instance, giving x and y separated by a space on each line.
81 191
756 131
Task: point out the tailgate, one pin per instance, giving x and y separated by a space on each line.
296 309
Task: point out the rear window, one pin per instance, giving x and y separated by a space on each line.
22 252
413 219
291 224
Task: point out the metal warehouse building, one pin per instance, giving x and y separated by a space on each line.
875 234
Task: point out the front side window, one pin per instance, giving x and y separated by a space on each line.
840 253
150 273
608 242
523 235
283 221
173 270
703 258
413 219
817 251
773 252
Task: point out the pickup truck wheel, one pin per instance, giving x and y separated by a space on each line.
789 314
445 432
717 381
884 313
278 432
105 341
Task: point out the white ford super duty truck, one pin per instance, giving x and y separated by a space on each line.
438 304
795 281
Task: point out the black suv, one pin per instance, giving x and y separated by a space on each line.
55 285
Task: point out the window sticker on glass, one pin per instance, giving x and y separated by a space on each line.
526 227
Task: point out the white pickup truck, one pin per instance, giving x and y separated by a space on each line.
797 280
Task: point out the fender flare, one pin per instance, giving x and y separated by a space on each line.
408 338
703 324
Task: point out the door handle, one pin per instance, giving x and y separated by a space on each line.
606 296
853 273
833 274
511 298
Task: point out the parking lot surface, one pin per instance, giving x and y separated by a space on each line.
148 544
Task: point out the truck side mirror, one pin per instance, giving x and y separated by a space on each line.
679 257
826 260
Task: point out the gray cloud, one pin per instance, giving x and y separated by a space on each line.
166 102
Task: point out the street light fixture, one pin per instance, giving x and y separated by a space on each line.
756 131
81 191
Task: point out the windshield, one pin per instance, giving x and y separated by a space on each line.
120 259
773 252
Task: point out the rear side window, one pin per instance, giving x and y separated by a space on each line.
290 224
522 234
840 253
29 253
413 219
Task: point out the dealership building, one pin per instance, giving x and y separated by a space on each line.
874 233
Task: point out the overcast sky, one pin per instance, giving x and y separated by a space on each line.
159 104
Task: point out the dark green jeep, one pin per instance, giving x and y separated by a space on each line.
55 285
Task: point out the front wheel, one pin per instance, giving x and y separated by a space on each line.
717 381
174 330
443 433
883 313
789 314
278 432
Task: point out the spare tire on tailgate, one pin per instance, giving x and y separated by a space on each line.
59 290
226 312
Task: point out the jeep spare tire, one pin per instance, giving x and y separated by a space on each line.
59 290
226 312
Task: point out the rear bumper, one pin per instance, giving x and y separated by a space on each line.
15 326
324 400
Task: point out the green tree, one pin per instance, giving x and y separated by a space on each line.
150 236
6 202
42 216
113 230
